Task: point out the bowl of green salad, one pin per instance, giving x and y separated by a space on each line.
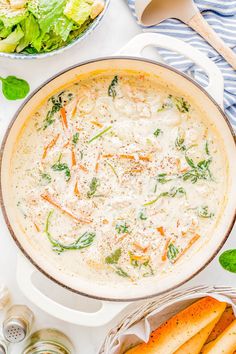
40 28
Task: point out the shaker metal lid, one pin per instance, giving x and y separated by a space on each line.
14 330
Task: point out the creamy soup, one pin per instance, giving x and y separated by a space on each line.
118 177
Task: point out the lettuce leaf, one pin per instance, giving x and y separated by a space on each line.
46 12
11 18
31 31
63 26
78 10
9 44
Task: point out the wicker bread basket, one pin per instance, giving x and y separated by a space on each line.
163 301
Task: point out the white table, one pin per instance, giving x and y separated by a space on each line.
115 30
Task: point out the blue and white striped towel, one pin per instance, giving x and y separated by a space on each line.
221 15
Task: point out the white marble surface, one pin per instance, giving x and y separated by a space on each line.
115 30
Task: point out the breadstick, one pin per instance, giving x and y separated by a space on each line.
172 334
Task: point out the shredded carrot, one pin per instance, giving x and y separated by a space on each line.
161 230
184 169
83 168
66 144
105 221
145 158
120 238
98 124
97 163
183 233
73 157
76 189
128 157
56 204
74 109
64 119
37 227
108 156
50 145
164 256
142 259
140 247
191 242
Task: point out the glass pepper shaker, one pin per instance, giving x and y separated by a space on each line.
48 341
18 323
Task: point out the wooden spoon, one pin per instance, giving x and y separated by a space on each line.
152 12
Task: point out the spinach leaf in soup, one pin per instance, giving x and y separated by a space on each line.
228 260
122 228
62 167
203 212
14 88
114 257
94 184
56 102
121 272
174 101
82 242
45 179
112 87
172 252
75 138
157 132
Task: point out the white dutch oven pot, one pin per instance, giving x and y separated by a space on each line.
119 296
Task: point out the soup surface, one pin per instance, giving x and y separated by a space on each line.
118 178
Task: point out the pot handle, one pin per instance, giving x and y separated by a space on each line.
216 82
107 312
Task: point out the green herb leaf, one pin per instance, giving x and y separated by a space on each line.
83 241
198 171
45 179
112 88
157 132
75 138
100 134
142 216
95 183
172 252
162 178
121 272
173 192
114 257
181 104
14 88
57 103
228 260
122 228
179 142
113 170
207 148
203 212
62 167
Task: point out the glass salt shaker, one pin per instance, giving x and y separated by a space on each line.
18 323
48 340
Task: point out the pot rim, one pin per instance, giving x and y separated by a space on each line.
4 211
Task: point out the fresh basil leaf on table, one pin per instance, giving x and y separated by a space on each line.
228 260
14 88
